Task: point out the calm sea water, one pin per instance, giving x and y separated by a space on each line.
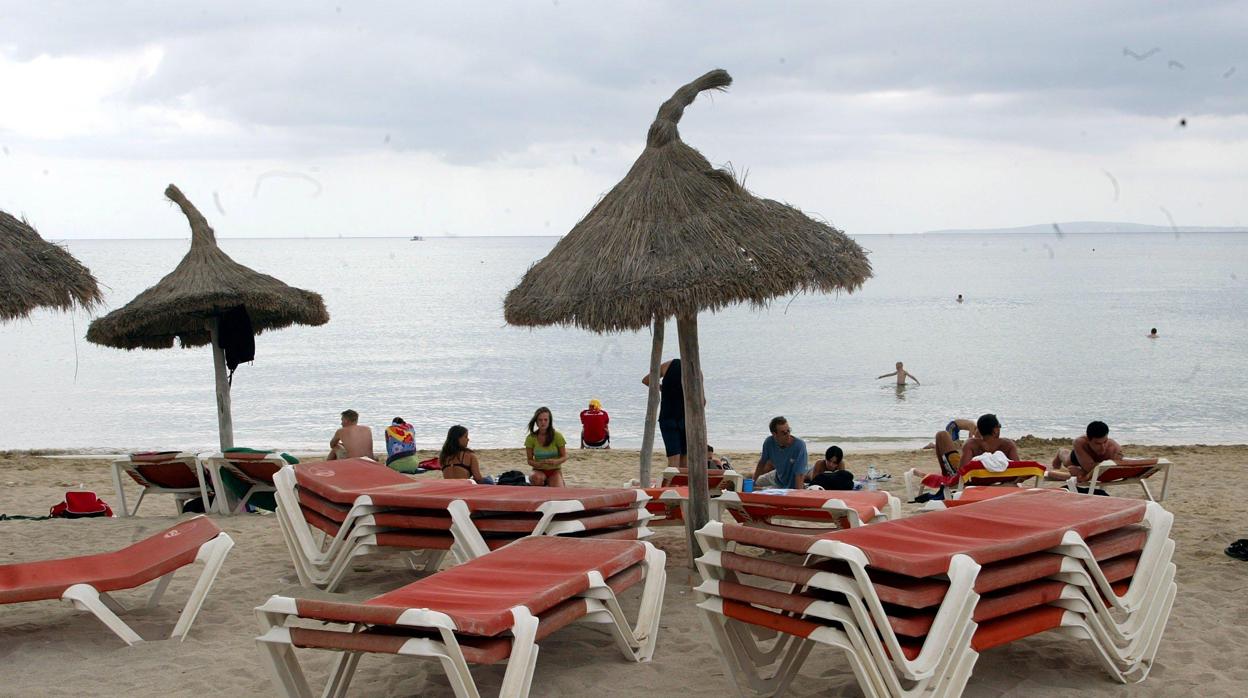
1052 335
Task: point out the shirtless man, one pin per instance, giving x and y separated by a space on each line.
988 440
352 440
901 374
1088 450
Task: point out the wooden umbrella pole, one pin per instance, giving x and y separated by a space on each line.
695 425
225 420
652 402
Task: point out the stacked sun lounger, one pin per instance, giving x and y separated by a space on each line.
716 478
494 608
912 602
358 506
827 508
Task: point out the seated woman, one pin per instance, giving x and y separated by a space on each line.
457 460
545 449
830 473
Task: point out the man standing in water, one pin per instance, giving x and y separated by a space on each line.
901 374
352 440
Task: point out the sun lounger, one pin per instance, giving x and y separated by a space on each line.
360 506
166 472
255 469
494 608
85 582
716 478
1110 473
832 508
913 601
970 495
1016 474
668 505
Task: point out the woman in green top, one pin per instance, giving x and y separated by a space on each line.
546 450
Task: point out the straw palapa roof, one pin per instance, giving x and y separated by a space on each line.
679 236
205 283
35 273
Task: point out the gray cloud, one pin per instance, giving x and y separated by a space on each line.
471 81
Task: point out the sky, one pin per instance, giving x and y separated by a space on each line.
304 118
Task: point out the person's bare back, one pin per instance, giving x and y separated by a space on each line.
352 440
901 374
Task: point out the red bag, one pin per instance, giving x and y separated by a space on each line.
79 504
430 464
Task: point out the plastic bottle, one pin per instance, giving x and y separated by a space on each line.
872 474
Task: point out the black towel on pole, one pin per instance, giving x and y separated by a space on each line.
237 339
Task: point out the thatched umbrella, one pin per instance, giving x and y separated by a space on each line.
189 302
35 273
677 237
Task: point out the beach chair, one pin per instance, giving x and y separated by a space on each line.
162 472
970 495
359 506
1110 473
494 608
85 582
831 508
716 478
668 505
255 469
1016 474
914 601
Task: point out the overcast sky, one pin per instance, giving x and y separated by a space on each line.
463 118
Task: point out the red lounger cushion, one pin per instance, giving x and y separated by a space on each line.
993 530
123 569
537 573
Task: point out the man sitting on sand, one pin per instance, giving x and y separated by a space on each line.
1088 450
783 463
352 440
901 374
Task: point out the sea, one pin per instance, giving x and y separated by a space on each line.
1052 333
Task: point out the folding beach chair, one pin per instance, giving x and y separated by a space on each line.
162 472
85 582
255 469
1110 473
913 601
832 508
716 478
494 608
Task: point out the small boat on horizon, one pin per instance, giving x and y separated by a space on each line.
416 238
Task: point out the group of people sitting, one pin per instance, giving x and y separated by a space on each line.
984 439
545 448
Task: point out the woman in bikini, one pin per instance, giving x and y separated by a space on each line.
546 450
457 460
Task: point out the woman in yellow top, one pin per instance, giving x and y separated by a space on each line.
546 450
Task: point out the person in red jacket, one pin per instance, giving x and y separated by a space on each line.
594 431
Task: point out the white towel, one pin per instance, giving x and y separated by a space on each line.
996 462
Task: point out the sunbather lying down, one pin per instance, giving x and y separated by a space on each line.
1088 450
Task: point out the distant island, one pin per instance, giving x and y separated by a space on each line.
1082 227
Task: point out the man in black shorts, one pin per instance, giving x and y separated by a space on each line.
672 413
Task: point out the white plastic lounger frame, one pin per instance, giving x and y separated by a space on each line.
732 477
218 462
834 507
85 597
1147 471
191 460
636 641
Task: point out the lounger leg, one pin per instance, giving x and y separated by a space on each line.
161 585
284 669
84 597
520 665
121 492
212 554
341 673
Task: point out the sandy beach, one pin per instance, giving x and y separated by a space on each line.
48 649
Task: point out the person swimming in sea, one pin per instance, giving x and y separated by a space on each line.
901 374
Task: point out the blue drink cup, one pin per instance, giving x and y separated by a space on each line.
747 485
